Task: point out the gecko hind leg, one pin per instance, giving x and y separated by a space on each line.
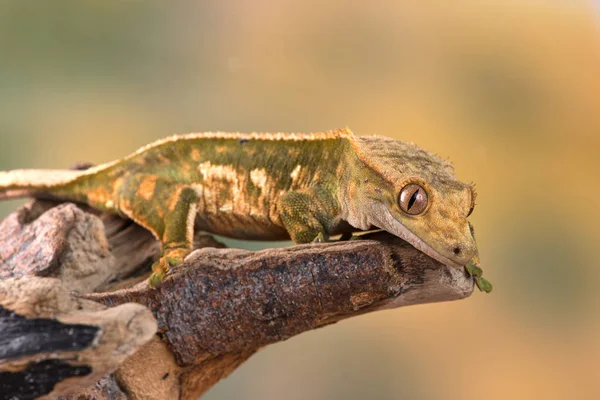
165 208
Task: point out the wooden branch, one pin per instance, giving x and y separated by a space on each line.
212 312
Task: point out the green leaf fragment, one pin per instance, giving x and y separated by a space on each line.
474 270
482 284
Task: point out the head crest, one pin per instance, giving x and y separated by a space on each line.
396 160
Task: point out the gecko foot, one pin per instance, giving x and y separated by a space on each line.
160 268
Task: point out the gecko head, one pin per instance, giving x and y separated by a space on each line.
418 199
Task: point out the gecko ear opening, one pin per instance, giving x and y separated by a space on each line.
413 199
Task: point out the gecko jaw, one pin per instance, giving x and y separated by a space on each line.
390 224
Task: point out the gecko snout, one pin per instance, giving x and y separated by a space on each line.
462 252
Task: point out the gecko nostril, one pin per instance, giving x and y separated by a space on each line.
457 251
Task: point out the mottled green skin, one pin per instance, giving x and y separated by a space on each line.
176 163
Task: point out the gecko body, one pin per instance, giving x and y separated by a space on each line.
270 187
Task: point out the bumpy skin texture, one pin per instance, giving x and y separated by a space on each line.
269 187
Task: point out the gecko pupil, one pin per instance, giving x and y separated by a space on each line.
413 199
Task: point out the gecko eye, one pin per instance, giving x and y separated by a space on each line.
413 199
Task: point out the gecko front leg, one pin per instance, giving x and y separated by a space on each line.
308 214
165 208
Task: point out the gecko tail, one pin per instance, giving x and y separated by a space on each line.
33 182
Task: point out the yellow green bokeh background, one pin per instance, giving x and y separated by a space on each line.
508 90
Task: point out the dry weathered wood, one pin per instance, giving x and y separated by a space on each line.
220 306
52 343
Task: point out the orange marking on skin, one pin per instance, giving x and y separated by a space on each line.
195 154
187 167
293 153
146 188
125 208
99 195
173 199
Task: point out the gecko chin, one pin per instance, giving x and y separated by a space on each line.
385 220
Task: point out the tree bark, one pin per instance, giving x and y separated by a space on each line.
82 276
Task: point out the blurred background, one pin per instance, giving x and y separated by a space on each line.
508 90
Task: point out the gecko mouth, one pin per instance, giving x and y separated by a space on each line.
389 223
